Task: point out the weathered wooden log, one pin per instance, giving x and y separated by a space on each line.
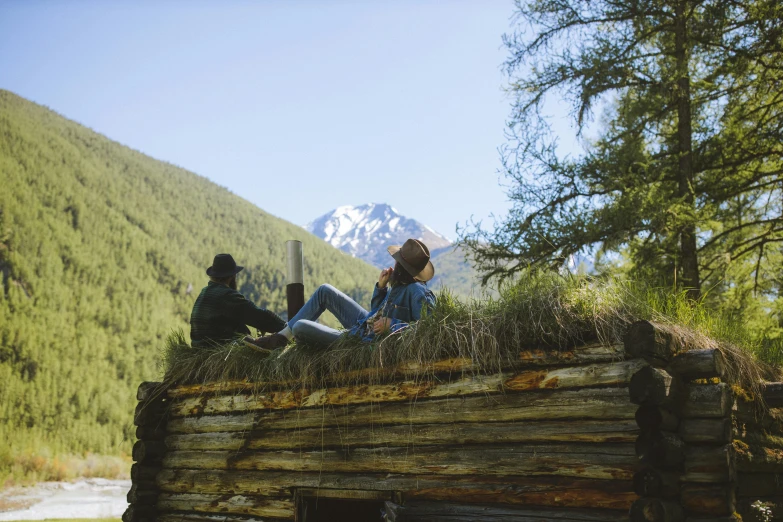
144 473
585 354
660 449
651 482
540 490
425 511
698 364
233 504
708 499
650 417
142 497
706 430
751 484
609 374
195 517
412 435
773 394
151 432
650 509
148 452
588 353
611 461
709 464
707 401
651 341
655 386
149 390
599 403
139 514
149 414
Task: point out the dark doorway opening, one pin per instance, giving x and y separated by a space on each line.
345 510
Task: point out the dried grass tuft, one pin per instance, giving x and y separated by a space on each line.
539 311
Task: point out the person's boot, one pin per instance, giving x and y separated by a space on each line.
268 343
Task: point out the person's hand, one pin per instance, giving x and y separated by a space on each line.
383 279
381 325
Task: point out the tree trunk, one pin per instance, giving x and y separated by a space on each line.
685 188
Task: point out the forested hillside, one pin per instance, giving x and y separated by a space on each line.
99 245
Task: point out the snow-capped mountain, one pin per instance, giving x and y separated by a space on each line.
365 231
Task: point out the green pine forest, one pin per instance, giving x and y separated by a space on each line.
98 247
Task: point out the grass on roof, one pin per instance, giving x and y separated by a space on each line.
541 310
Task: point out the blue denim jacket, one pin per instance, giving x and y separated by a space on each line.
402 304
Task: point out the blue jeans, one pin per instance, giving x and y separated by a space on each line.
327 297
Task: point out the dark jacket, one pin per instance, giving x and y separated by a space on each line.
402 304
220 314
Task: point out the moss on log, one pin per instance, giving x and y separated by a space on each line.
610 461
707 401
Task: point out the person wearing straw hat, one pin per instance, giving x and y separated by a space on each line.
221 314
397 300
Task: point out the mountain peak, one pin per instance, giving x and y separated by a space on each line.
365 231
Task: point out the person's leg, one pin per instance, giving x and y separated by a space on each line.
327 297
316 334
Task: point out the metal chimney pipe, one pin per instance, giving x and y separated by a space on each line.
294 276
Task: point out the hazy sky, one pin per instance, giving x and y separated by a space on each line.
296 106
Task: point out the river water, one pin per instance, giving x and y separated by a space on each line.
86 498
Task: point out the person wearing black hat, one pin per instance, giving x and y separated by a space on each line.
221 314
393 308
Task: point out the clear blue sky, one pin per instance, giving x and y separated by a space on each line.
297 106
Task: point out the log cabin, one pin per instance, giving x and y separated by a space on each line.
644 430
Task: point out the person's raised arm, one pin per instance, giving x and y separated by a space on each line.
252 315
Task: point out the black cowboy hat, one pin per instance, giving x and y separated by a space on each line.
414 256
223 266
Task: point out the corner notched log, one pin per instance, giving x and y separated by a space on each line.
148 390
706 430
650 341
650 417
698 364
651 482
708 499
656 510
709 464
149 413
148 451
142 473
707 401
773 394
655 386
660 449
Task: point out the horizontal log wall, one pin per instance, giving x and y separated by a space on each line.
546 439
